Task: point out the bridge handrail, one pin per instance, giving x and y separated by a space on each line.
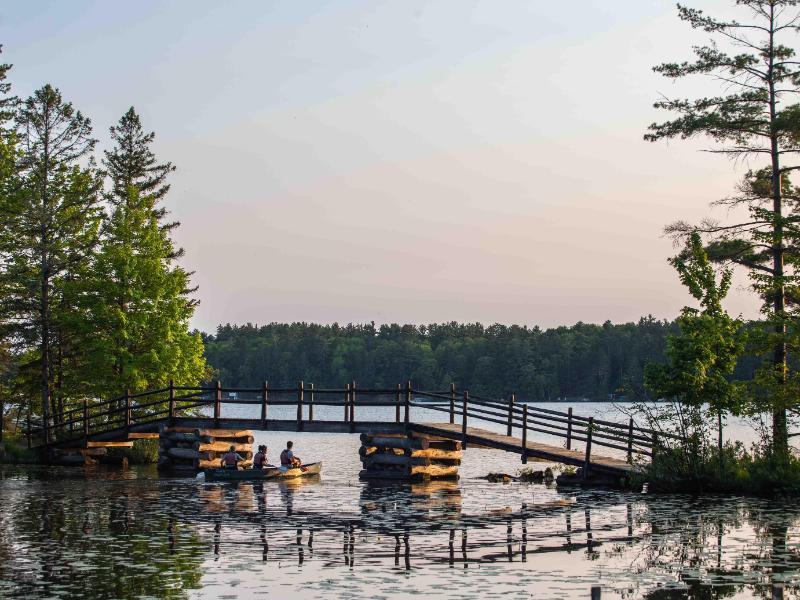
168 403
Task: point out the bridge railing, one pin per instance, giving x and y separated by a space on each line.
516 418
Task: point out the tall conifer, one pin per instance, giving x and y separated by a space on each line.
49 228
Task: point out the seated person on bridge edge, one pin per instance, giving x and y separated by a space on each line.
231 459
288 459
260 459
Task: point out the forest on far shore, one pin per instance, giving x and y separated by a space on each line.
596 362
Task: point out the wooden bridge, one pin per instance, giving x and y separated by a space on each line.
143 415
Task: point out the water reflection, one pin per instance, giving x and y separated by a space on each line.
129 538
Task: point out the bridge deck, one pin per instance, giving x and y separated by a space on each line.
475 436
549 452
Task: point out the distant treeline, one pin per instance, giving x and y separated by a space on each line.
581 361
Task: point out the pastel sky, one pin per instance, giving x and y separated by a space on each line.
399 161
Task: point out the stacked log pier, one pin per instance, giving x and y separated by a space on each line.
188 449
409 459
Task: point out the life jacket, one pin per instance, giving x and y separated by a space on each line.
285 462
258 459
230 459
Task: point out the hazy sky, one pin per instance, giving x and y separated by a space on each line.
398 161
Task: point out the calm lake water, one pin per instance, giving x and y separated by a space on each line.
105 533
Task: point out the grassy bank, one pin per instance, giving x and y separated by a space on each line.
731 470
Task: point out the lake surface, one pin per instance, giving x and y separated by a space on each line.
102 533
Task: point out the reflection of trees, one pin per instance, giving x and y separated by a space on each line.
688 540
100 546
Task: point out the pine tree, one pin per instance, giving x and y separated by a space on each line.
754 119
49 228
131 162
139 306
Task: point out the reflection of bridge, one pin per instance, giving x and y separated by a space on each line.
136 416
412 519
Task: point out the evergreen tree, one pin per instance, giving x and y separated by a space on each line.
49 228
138 306
131 163
754 119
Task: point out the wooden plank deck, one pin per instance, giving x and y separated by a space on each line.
483 437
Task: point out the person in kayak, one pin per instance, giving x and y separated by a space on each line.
288 459
231 459
260 459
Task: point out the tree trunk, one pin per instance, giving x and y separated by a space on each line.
780 440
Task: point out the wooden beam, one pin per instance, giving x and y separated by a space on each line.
91 444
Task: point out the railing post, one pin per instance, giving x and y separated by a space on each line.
569 428
397 401
587 460
300 390
218 403
654 447
346 402
452 402
85 420
630 441
407 408
524 434
127 410
352 404
264 398
510 425
171 401
464 402
311 402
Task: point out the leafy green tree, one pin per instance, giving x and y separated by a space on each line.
50 226
138 308
755 119
701 359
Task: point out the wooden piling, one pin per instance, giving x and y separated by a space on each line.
311 402
777 591
346 401
595 592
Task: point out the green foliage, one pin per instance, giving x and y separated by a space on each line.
731 470
582 361
702 359
91 300
144 452
756 118
137 308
